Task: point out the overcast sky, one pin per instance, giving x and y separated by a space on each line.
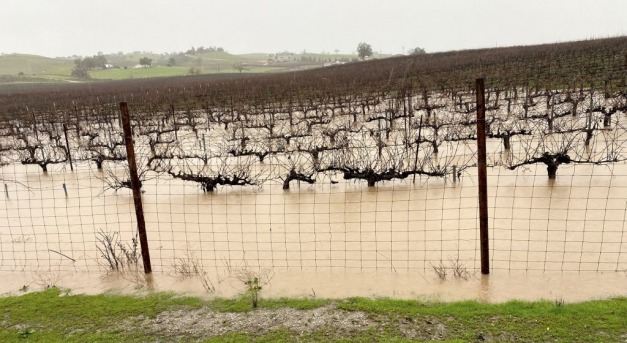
84 27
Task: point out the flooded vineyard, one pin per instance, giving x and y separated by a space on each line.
359 179
398 232
325 192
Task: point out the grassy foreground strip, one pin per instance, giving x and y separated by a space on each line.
58 316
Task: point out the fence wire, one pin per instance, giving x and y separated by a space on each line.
575 223
427 217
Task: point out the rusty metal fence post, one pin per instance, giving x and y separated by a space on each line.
135 185
483 177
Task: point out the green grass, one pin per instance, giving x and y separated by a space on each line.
602 320
137 73
132 73
44 69
56 316
38 66
48 69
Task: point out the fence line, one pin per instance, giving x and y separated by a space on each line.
573 221
566 226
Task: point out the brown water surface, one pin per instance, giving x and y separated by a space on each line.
548 239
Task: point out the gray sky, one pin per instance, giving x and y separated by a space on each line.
84 27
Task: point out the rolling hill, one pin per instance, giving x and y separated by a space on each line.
20 68
35 66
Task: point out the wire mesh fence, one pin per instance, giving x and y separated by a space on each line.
576 223
373 183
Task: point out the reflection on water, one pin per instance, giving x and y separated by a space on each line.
332 239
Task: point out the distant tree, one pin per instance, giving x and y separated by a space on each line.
20 74
145 61
239 66
99 61
80 70
88 63
364 50
417 51
194 71
171 62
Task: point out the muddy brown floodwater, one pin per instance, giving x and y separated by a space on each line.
562 239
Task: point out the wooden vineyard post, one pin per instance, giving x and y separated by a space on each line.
483 178
137 197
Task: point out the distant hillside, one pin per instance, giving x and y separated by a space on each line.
15 68
570 65
35 66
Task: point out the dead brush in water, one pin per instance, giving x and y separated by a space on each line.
439 270
459 269
190 266
46 280
118 257
456 267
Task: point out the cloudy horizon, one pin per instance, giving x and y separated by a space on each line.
74 27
